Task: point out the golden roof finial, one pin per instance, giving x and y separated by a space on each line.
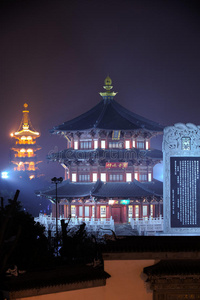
108 83
25 105
108 87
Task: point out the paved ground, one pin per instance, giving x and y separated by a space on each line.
124 230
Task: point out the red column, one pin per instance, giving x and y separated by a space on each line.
65 211
107 211
77 210
98 211
69 209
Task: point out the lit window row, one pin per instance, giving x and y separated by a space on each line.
112 177
112 145
28 150
134 211
89 211
25 166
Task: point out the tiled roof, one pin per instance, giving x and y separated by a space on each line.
128 189
174 267
58 276
109 115
154 244
69 189
109 189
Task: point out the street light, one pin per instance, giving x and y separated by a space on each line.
56 180
4 175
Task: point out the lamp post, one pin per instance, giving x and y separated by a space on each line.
56 180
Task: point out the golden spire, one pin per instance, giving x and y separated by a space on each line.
25 127
25 116
108 87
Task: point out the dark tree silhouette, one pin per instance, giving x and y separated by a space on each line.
22 241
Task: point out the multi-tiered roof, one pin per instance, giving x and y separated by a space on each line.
109 121
24 151
108 114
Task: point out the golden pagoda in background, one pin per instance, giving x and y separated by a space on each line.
24 158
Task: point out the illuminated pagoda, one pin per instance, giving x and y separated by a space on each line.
108 164
24 158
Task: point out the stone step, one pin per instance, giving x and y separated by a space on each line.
124 230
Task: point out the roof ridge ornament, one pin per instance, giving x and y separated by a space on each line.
25 126
108 94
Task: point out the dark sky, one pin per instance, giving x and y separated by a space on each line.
55 56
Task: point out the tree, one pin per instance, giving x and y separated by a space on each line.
22 241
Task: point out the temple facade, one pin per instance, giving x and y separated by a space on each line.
24 157
108 164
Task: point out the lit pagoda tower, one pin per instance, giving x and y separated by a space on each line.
108 164
24 157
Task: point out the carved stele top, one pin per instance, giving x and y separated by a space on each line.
174 135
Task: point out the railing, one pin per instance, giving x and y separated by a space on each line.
92 224
147 225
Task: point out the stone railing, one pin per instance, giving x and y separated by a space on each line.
92 224
145 226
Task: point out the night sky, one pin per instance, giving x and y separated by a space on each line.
55 56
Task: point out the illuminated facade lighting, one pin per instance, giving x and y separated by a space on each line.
25 135
4 175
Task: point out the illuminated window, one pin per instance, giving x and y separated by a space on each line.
86 145
95 144
136 211
127 144
149 176
85 177
151 210
93 211
116 177
128 177
31 166
147 145
115 145
140 145
73 177
133 144
103 211
22 150
144 210
87 211
21 167
130 213
136 176
80 211
103 144
94 177
143 177
30 152
75 145
73 211
103 177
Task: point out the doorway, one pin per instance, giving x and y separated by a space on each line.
116 214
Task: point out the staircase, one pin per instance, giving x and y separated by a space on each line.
124 230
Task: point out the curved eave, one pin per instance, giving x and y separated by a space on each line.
105 190
69 189
26 133
134 189
108 115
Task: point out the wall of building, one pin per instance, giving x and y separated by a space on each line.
127 282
